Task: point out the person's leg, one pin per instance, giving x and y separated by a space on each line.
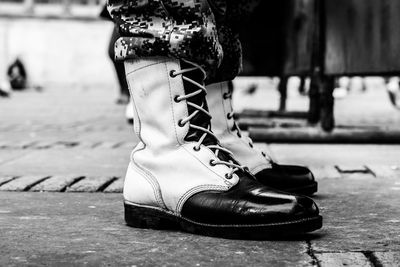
119 69
179 175
289 178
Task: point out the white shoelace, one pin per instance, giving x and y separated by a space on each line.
232 165
231 116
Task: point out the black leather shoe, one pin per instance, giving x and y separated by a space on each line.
289 178
248 211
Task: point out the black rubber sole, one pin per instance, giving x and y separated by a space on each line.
154 218
308 190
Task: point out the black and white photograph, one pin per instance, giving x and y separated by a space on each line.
200 133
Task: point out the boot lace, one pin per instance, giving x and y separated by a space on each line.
216 148
235 127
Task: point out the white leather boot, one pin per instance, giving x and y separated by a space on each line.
180 177
289 178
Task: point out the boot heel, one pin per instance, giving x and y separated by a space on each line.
144 217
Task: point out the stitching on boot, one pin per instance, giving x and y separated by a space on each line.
195 190
137 126
151 64
153 182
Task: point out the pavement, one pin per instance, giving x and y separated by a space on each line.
64 152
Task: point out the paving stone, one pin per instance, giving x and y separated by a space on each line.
109 145
81 229
88 144
96 162
44 145
344 168
55 183
325 172
349 171
359 215
116 186
343 259
9 155
90 184
331 155
129 145
67 144
387 259
3 144
22 183
5 179
118 145
385 171
19 145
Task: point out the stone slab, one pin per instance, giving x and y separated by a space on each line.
55 183
9 155
359 215
21 144
387 259
90 184
331 155
323 172
5 179
116 187
54 229
348 168
342 259
97 162
22 183
385 171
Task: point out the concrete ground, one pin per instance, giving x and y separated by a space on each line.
58 145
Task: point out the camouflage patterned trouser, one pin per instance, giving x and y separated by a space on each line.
202 31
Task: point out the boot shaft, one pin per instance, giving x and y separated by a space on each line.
219 97
178 154
153 90
220 105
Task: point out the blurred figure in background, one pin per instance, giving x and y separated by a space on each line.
123 98
393 89
17 75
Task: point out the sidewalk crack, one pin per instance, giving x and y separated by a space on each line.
310 252
372 258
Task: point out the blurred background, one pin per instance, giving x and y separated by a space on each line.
62 43
314 71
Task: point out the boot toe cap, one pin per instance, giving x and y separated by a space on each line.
248 203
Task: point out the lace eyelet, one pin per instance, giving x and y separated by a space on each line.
228 177
229 116
180 124
251 145
225 96
172 74
264 155
212 163
176 99
195 148
239 135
